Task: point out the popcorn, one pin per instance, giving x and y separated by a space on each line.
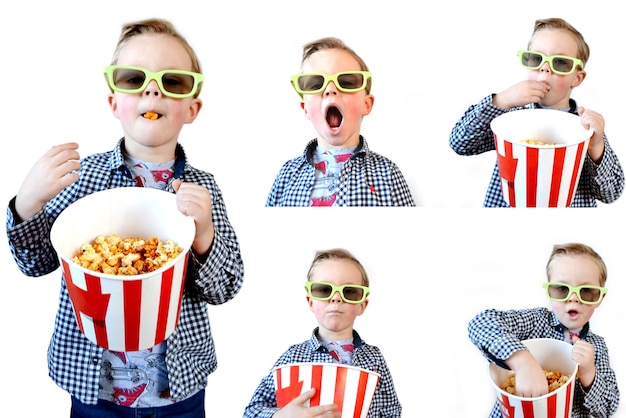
126 256
151 115
536 142
555 380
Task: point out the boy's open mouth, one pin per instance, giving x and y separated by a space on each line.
572 313
151 115
333 117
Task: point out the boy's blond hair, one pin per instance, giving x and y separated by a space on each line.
155 26
333 43
558 23
576 248
337 254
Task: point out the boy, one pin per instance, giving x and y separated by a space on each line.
576 278
555 58
337 168
337 289
155 79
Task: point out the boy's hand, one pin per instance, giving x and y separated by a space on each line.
530 380
521 94
195 201
593 120
297 409
50 174
583 353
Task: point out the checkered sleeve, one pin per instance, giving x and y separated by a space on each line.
385 402
263 402
293 184
602 398
30 244
401 193
603 181
498 334
277 187
472 134
220 277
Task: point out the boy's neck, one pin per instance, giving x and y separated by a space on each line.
343 335
159 154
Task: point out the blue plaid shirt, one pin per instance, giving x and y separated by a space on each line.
74 362
498 334
384 404
472 135
366 179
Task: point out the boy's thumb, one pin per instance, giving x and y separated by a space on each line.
176 184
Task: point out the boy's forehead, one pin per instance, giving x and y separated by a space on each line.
337 271
575 269
330 61
554 42
156 50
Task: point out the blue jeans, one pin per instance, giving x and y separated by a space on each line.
189 408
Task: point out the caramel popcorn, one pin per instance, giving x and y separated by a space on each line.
151 115
555 380
126 256
536 142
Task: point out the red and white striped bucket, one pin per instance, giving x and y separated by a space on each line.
550 354
124 313
540 175
350 388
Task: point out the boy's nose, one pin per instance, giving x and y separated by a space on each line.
336 298
330 89
544 72
546 67
153 88
574 298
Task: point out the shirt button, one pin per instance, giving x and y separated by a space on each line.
95 360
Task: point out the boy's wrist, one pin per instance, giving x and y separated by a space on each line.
519 359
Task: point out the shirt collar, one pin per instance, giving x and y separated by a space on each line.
316 344
309 150
573 107
117 160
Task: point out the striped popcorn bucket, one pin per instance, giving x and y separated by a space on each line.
533 175
553 355
124 313
350 388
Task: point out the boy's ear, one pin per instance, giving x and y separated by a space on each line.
303 106
194 109
580 76
112 103
363 306
368 104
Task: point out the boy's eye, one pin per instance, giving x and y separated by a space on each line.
350 81
312 83
562 291
129 78
137 81
589 293
171 81
321 290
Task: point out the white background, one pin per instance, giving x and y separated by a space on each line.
432 268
